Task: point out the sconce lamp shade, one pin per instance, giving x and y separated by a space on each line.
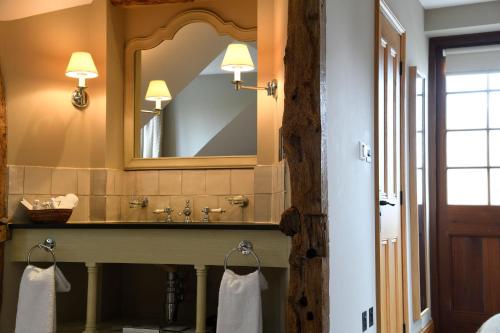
158 91
81 65
237 59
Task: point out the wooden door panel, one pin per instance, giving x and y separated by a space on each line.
466 273
388 149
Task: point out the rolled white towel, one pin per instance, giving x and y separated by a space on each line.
69 201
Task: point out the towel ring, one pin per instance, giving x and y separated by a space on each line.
48 246
244 247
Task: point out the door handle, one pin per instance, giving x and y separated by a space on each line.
385 203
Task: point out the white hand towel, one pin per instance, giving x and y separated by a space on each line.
491 326
36 308
240 306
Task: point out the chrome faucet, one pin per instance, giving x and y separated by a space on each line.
206 211
187 213
168 211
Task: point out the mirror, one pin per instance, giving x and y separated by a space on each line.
181 109
418 193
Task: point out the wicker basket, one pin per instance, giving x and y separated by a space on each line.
50 215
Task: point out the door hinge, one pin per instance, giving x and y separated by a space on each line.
401 198
404 328
400 68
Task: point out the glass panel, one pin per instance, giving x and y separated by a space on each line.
495 110
466 149
419 111
466 111
420 150
494 148
495 81
495 186
467 187
420 189
468 82
420 85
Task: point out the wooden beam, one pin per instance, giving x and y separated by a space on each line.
3 179
304 135
145 2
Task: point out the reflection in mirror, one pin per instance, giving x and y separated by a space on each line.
418 193
195 111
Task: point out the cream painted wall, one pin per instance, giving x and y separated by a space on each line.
458 20
43 126
350 76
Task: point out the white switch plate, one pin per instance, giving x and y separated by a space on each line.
365 152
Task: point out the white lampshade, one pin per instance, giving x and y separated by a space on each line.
158 91
237 59
81 66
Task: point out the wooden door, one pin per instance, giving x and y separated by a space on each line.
468 199
388 169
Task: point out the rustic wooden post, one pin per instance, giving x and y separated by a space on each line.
3 179
304 135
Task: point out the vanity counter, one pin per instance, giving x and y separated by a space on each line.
147 225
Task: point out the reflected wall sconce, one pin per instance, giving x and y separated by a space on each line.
157 92
237 59
81 66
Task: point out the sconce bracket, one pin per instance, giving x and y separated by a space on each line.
271 87
80 98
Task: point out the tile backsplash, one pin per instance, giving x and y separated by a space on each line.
105 194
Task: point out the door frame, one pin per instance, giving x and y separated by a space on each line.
435 92
381 8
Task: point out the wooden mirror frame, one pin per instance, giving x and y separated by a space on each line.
132 162
418 312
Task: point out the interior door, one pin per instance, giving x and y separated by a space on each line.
388 159
468 193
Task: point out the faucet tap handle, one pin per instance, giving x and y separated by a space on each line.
187 213
167 211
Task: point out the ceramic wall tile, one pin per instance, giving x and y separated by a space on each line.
147 183
16 179
98 181
242 181
170 182
97 208
263 182
263 208
64 181
37 180
83 180
82 211
193 182
113 208
218 182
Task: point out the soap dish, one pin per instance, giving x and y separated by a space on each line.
50 215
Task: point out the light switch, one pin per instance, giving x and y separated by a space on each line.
365 152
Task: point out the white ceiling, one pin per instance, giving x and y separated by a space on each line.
429 4
13 10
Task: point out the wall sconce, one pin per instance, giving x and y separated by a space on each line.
81 66
157 92
237 59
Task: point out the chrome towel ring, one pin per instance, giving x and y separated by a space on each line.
48 245
244 247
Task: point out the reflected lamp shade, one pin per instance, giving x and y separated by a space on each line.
158 92
81 66
237 59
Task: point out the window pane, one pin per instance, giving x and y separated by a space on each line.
467 187
466 111
466 149
494 148
419 113
420 150
495 110
420 188
495 81
495 186
420 85
469 82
